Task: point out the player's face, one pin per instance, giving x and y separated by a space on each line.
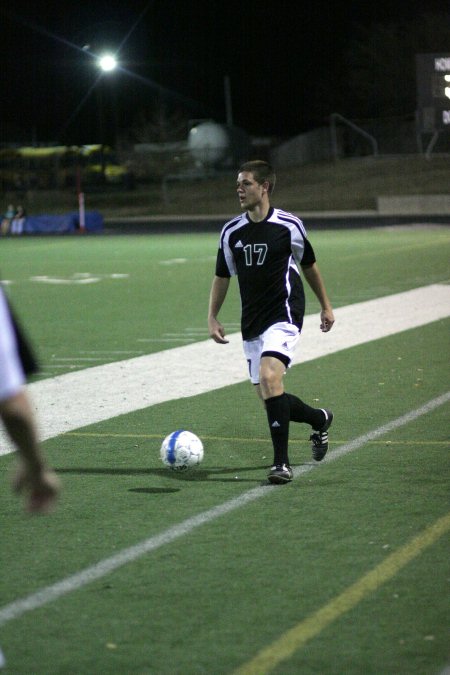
250 193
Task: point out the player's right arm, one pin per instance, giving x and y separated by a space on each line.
217 296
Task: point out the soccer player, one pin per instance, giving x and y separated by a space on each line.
266 248
33 478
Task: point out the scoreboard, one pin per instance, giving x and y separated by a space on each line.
433 91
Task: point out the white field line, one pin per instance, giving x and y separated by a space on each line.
72 583
73 400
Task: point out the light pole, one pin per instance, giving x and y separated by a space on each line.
107 63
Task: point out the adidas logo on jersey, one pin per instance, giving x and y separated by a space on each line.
239 244
275 424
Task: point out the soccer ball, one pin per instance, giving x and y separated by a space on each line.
181 450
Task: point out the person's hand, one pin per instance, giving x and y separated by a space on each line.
40 486
326 320
217 331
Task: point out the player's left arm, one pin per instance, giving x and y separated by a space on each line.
219 290
313 276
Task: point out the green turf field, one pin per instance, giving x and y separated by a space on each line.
345 570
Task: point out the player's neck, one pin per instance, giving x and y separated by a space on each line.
259 212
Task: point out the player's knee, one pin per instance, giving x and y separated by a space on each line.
270 382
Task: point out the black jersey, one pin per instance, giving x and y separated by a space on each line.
266 258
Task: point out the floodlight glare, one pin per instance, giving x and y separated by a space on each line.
107 62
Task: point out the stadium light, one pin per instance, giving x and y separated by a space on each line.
447 89
107 62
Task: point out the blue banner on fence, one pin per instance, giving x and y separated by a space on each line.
68 222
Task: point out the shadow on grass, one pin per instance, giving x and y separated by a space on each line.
220 474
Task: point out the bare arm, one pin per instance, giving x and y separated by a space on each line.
33 477
314 279
217 296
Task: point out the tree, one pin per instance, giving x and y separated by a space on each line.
158 124
160 136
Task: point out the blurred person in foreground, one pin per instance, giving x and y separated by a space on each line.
34 478
266 248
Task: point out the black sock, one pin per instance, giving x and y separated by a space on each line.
302 412
278 415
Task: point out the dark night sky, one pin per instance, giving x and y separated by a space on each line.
284 61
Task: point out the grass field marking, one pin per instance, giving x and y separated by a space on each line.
54 366
125 384
162 339
78 278
386 428
173 261
111 351
186 333
82 359
283 648
104 567
19 607
66 280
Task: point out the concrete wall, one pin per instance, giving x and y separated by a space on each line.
414 204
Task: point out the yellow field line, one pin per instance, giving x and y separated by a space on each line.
243 440
296 637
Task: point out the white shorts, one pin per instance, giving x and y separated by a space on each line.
280 339
12 377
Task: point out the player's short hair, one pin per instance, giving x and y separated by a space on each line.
262 172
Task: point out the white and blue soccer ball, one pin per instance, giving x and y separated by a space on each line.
181 450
